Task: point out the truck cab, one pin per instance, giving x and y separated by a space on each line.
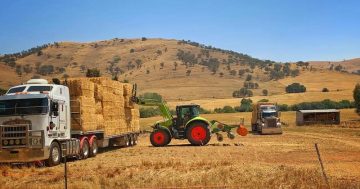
266 119
32 117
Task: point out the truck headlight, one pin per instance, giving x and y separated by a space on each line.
23 141
263 124
278 124
17 141
35 141
11 142
5 142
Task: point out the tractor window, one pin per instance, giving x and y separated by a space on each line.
185 112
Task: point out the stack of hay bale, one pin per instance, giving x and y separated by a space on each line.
102 104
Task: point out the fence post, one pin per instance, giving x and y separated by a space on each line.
65 172
321 164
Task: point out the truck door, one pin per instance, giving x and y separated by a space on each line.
62 118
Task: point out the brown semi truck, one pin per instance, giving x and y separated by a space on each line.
265 119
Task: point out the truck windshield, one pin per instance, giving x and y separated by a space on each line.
24 106
16 90
269 114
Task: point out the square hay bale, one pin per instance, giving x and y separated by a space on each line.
81 87
127 89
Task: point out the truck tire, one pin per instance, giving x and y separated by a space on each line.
85 149
55 155
198 134
131 139
253 128
94 148
159 138
135 140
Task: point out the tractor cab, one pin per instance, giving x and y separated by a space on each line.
185 113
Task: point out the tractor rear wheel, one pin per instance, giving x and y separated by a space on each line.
160 138
198 134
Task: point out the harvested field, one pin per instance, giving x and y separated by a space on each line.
273 161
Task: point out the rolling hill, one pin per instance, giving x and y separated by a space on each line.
179 70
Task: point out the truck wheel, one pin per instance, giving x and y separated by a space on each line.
94 148
160 138
55 155
253 128
198 134
85 150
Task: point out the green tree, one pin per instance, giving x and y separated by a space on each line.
93 73
295 88
2 91
248 77
357 98
265 92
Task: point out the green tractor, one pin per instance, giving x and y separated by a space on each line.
187 124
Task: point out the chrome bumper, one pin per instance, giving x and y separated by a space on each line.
23 155
271 130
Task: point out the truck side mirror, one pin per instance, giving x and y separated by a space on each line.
55 109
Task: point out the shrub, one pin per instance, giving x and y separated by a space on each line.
93 73
325 90
245 106
132 50
149 112
154 96
295 88
243 92
264 100
2 91
46 69
248 77
143 39
265 92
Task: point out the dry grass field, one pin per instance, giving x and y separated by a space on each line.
273 161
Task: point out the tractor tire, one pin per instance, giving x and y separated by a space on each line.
85 150
159 138
55 155
94 148
198 134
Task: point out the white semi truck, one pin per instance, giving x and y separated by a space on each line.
35 125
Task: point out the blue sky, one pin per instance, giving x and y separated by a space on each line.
281 30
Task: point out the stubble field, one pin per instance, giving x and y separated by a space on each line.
254 161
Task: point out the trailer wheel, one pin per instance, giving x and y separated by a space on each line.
55 155
85 149
130 138
135 140
94 148
159 138
198 134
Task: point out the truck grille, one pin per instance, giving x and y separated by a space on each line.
271 122
13 135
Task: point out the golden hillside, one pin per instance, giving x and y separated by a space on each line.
151 64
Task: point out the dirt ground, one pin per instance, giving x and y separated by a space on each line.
254 161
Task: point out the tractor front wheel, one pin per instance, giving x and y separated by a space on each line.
198 134
159 138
